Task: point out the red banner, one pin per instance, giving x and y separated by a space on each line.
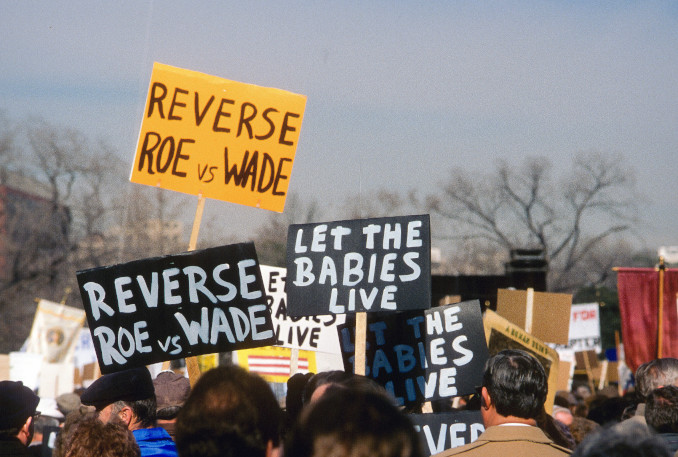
638 290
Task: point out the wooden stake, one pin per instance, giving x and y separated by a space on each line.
603 375
294 361
589 372
529 310
67 292
360 343
192 366
196 223
660 309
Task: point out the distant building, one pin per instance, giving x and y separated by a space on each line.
33 228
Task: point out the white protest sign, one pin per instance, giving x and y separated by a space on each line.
25 367
310 333
584 328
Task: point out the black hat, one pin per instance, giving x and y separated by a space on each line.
17 403
129 385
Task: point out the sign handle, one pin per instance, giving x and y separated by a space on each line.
529 310
192 366
294 361
360 343
603 375
660 309
196 223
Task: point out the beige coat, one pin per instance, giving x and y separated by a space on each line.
510 441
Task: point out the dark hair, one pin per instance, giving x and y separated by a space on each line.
347 422
90 436
661 409
606 411
636 440
10 432
516 383
656 373
322 378
168 413
63 438
229 412
144 410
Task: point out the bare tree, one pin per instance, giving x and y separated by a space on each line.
571 218
271 238
380 203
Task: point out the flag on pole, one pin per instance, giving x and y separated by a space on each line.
639 306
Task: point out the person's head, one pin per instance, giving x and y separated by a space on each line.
229 412
128 396
655 374
562 414
91 437
633 441
63 438
661 409
347 422
171 391
68 402
606 410
18 406
514 385
317 384
581 427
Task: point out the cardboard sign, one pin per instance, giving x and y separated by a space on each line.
441 431
311 333
548 314
421 356
172 307
502 334
273 363
362 265
223 139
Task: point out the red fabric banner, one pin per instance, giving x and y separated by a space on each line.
638 290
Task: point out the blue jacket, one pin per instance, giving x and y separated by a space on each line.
155 442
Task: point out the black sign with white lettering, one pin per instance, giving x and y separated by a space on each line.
456 345
362 265
442 431
422 356
171 307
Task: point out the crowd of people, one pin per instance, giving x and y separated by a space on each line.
232 412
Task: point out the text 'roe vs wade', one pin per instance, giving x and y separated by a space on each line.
171 307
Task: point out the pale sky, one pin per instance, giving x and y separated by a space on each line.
397 92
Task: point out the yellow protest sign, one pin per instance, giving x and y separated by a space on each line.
273 363
502 334
223 139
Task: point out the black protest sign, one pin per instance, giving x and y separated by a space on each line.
455 340
441 431
421 356
361 265
171 307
